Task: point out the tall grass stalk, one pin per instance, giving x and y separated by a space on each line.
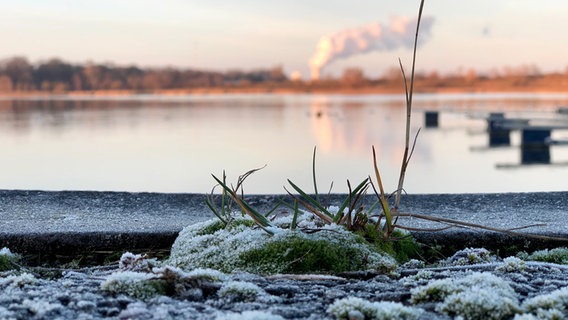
408 97
409 91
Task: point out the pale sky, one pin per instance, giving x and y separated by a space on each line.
249 34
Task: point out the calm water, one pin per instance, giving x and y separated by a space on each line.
173 144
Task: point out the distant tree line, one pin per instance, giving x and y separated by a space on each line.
56 75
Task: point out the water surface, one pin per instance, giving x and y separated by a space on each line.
175 143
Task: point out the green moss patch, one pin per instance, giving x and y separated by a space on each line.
556 255
330 249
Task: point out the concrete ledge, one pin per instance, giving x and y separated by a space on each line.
72 222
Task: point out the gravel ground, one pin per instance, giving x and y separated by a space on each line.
78 294
72 222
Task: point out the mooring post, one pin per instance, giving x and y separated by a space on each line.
431 119
498 136
534 146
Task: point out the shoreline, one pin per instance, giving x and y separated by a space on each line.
283 90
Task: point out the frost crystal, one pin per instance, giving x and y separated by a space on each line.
249 315
240 291
18 281
40 308
353 308
469 256
137 284
512 264
136 262
7 259
6 252
556 300
209 274
476 296
556 255
479 303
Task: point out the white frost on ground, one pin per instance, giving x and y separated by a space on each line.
136 262
6 252
512 264
475 296
40 308
555 255
556 300
18 281
206 273
137 284
357 308
240 291
249 315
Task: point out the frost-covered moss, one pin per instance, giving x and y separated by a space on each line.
18 281
555 301
40 309
420 276
414 264
479 303
137 284
469 256
512 264
357 308
240 247
240 291
249 315
556 255
476 296
136 262
8 260
542 314
206 274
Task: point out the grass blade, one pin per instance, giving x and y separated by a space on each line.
352 194
382 197
215 211
313 202
295 217
314 175
325 217
409 94
258 218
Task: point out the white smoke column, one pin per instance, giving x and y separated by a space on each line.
372 37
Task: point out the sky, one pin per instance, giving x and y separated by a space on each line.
250 34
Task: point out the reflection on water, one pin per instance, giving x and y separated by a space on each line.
174 143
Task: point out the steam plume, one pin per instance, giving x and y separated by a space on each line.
372 37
